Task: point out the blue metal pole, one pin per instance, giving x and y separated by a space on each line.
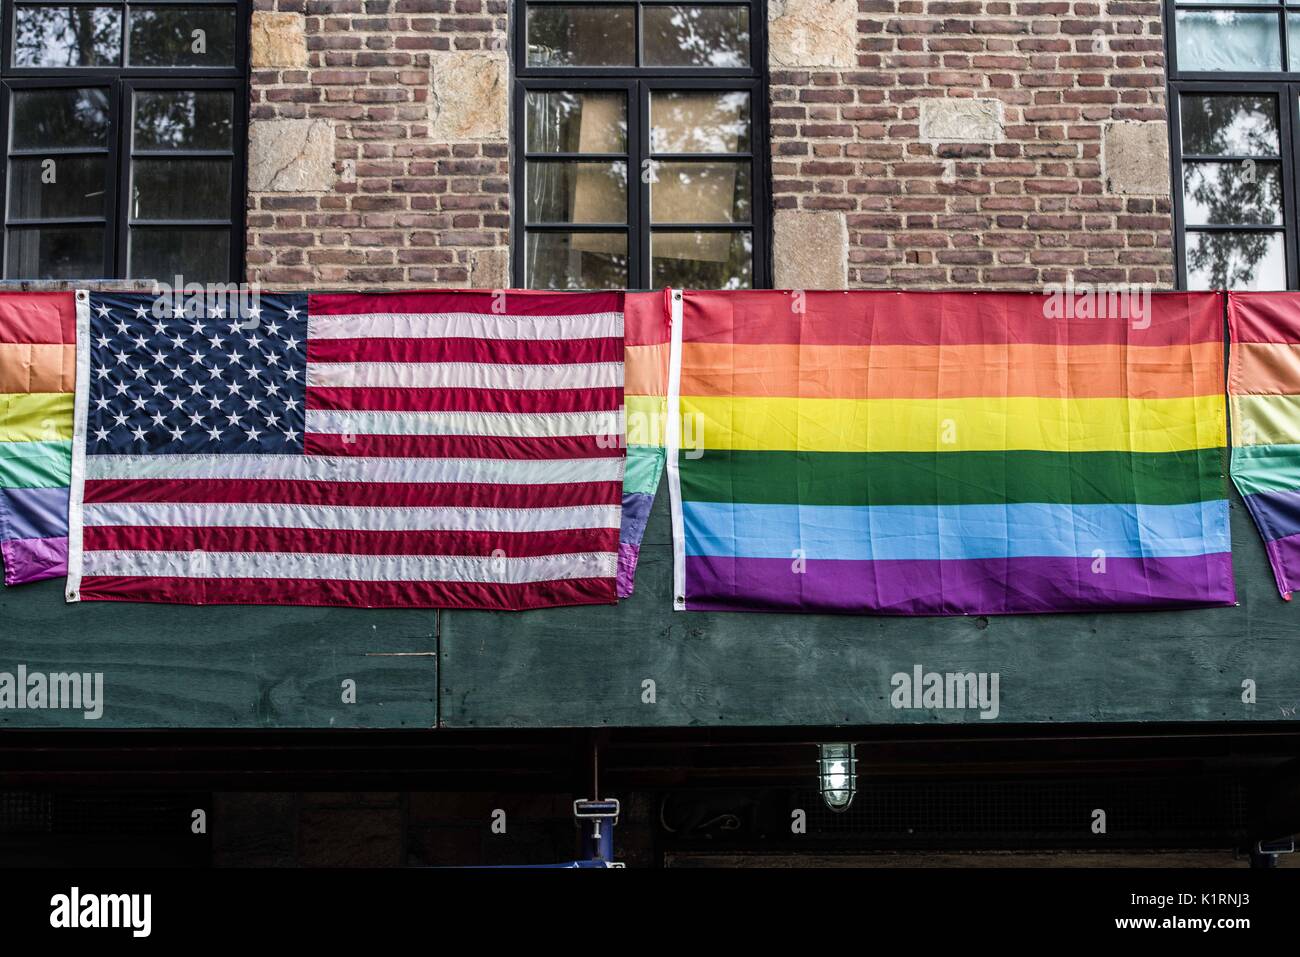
598 848
596 821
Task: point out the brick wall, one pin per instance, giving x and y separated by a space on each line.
1024 206
916 143
386 197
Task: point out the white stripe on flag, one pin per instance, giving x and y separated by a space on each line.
368 517
513 424
465 325
463 375
344 468
372 568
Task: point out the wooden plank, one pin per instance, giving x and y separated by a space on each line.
586 666
174 666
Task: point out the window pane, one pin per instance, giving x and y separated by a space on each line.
182 36
695 122
60 119
1234 40
184 120
180 189
56 187
67 36
696 36
575 261
560 121
702 260
198 254
1245 193
1220 125
581 36
700 193
1223 260
576 192
56 252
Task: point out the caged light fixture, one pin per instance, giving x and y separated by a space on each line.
837 766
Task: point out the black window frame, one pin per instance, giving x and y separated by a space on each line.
122 82
637 83
1283 84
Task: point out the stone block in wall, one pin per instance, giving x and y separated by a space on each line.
961 120
278 40
469 96
810 249
290 156
489 269
812 33
1135 158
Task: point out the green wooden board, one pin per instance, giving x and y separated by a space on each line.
586 666
247 667
173 666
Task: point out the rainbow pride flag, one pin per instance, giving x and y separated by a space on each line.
645 397
1264 394
947 453
37 374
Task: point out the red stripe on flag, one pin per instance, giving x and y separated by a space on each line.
38 317
362 494
880 318
364 594
172 538
465 400
466 446
496 351
514 302
647 317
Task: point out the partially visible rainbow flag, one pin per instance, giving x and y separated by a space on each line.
37 373
947 453
1264 393
645 396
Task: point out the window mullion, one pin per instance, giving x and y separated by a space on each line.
121 143
1286 93
639 94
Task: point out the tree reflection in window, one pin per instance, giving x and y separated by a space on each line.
66 36
1232 176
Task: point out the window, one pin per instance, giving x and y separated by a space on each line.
124 137
640 138
1234 73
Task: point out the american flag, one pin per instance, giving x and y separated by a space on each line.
449 449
